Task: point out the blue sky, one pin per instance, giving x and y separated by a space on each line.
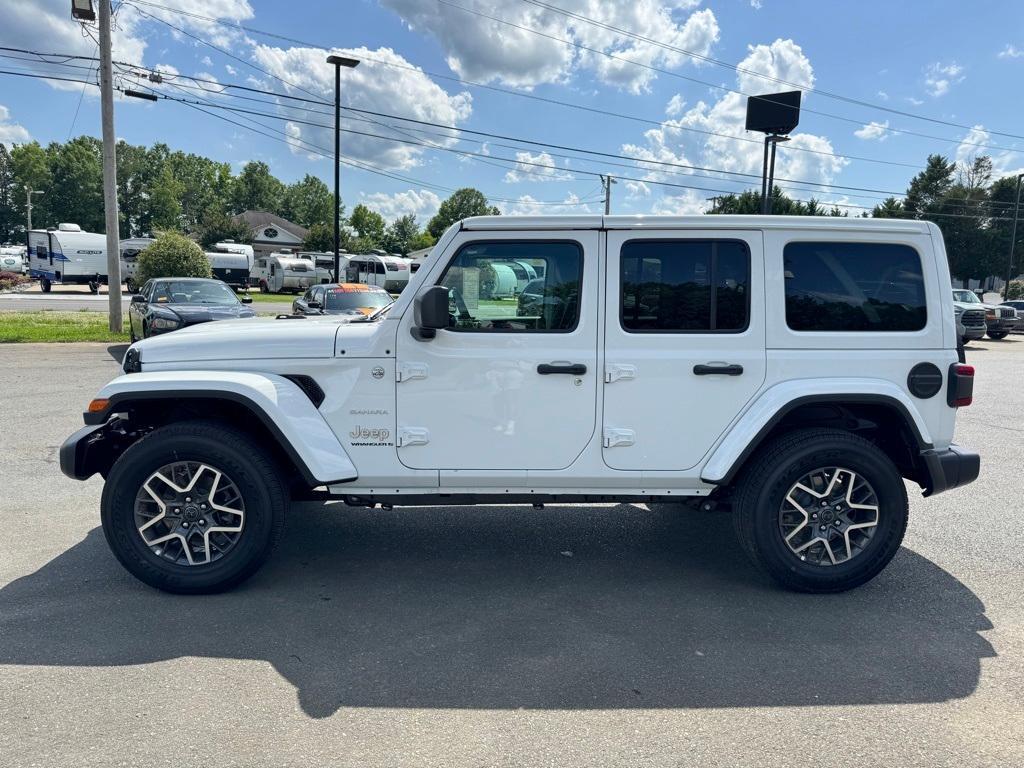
939 60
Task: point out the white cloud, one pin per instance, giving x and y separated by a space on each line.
873 131
675 106
756 4
423 204
50 20
230 70
372 86
206 61
1004 162
637 189
689 202
1010 52
480 48
915 102
670 143
527 205
939 78
11 132
883 95
539 167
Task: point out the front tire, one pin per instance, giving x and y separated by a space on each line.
998 335
820 510
45 285
194 507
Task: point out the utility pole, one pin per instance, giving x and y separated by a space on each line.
28 207
607 181
110 171
1013 240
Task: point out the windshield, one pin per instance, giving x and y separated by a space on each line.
193 292
967 297
339 299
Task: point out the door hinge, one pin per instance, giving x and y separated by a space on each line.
614 437
412 436
409 371
616 371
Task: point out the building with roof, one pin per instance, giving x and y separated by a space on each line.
271 233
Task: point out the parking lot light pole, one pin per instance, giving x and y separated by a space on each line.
28 206
338 62
1013 240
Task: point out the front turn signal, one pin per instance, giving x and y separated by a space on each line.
98 405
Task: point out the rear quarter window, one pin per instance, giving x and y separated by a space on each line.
850 287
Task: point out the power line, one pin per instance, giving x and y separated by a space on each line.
610 113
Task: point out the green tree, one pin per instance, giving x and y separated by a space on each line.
216 226
8 195
928 189
463 202
308 202
423 240
76 194
257 189
31 167
164 207
890 208
369 227
172 255
320 238
749 202
400 235
205 186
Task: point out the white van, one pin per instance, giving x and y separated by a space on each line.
389 272
67 255
282 272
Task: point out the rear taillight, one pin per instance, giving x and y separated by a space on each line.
961 385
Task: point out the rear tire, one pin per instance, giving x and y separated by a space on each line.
45 284
209 449
94 288
761 499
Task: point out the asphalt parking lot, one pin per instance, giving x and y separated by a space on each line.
574 635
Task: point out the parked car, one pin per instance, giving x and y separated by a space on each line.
1018 307
168 304
999 321
970 316
799 369
353 299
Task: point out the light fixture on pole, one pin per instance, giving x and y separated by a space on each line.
82 10
338 62
774 115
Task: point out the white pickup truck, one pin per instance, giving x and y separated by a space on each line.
793 370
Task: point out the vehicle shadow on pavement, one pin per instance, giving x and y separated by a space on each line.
490 607
116 351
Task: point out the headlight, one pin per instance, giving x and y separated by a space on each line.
990 314
132 361
164 323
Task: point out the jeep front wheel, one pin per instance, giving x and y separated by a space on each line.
193 507
821 510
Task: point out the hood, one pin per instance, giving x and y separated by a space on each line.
265 339
201 313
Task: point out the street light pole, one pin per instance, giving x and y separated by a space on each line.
607 182
110 171
1013 239
338 62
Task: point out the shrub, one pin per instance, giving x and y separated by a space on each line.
11 279
172 255
1015 290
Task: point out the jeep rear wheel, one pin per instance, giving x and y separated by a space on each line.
193 507
821 510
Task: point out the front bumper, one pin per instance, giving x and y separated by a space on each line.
974 332
1002 324
85 452
949 468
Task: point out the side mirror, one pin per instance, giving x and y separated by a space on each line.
247 299
138 298
430 312
314 305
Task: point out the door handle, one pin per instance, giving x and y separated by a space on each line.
721 370
573 369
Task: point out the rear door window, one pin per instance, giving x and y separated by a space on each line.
849 287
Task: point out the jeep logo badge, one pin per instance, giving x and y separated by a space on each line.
378 372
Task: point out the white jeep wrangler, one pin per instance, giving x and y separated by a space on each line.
795 369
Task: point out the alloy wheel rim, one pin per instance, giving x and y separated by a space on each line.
189 513
829 516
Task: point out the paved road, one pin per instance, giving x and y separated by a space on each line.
472 637
74 299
